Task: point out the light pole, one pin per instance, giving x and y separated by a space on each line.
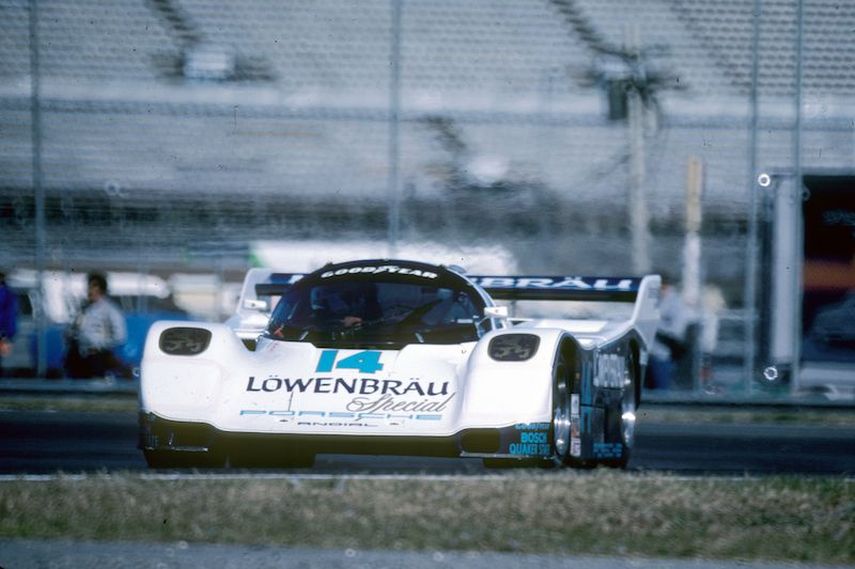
750 302
38 190
394 221
639 217
798 228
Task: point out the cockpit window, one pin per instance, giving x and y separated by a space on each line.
367 311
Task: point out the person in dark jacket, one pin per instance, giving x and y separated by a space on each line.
8 319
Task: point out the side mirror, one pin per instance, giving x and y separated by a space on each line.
256 304
496 312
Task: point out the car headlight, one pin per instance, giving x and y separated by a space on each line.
513 347
184 341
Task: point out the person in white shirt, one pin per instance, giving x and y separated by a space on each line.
97 330
669 344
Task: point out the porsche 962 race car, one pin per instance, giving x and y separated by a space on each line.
408 358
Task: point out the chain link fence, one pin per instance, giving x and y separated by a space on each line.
173 136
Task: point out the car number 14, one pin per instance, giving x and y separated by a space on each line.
367 361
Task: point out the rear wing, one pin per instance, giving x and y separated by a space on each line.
276 284
614 289
643 292
622 289
259 285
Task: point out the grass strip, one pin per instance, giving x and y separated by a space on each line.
600 512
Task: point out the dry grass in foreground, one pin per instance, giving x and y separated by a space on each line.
600 512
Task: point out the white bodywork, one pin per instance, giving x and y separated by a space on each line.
420 390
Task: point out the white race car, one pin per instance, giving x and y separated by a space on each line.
408 358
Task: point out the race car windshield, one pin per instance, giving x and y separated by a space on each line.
368 312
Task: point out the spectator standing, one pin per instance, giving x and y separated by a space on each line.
670 342
97 329
8 319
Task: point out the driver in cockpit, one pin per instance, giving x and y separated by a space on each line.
351 305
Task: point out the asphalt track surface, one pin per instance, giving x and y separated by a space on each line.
38 442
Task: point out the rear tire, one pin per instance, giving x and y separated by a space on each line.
620 417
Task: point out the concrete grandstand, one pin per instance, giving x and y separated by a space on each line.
266 111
